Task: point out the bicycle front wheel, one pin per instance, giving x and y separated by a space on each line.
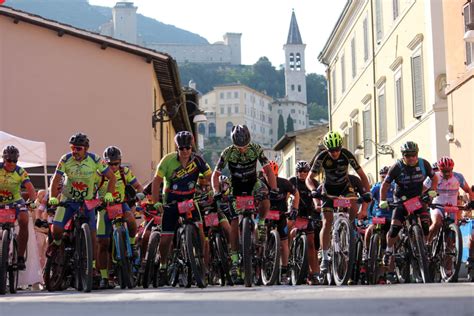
4 250
420 261
194 255
299 260
247 251
271 259
151 262
451 254
343 250
84 253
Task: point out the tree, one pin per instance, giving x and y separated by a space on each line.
316 87
281 126
317 112
290 126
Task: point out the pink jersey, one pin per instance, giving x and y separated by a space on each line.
448 189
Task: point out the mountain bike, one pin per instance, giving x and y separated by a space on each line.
298 260
270 259
377 245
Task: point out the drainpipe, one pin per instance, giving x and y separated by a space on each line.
328 80
374 80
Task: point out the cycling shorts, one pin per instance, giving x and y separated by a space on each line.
64 214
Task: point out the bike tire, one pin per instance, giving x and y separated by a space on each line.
344 251
458 245
150 260
4 250
421 258
85 258
270 271
13 273
357 261
195 255
223 258
299 262
247 251
373 258
402 255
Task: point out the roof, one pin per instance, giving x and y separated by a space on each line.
288 137
164 65
294 36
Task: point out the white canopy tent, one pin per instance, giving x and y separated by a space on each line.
32 154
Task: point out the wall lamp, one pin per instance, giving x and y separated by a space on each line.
381 149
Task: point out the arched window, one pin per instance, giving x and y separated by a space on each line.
212 130
292 61
228 128
202 129
298 62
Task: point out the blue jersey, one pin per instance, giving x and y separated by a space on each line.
374 210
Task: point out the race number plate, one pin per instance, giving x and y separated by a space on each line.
92 204
186 206
211 220
341 202
114 211
379 220
7 215
301 223
273 215
245 203
157 220
412 204
452 212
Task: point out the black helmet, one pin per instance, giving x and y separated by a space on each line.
79 139
184 139
384 170
302 165
112 153
409 147
11 152
240 135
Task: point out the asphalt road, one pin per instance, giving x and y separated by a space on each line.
403 299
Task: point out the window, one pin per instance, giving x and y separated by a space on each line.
212 130
292 87
222 110
298 62
221 95
228 128
343 74
289 166
366 39
236 109
236 95
280 111
396 9
202 128
468 19
293 111
299 88
382 115
352 137
205 101
292 61
333 81
417 84
353 55
229 110
399 100
229 94
367 132
378 20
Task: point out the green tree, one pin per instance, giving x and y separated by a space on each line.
316 87
290 126
317 112
281 126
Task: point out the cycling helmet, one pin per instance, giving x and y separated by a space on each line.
409 147
223 179
445 163
240 135
11 152
112 153
332 140
274 166
384 170
302 165
79 139
184 139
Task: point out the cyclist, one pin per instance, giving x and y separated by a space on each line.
335 161
306 208
123 176
408 173
79 167
449 183
280 203
242 158
12 178
179 172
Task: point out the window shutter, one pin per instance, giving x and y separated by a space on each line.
396 9
343 73
334 92
367 133
353 52
399 104
417 84
366 39
382 119
378 19
352 138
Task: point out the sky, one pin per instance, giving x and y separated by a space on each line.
264 24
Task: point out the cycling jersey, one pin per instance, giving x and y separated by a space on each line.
448 189
242 166
179 181
306 207
409 179
280 203
119 194
336 171
10 184
80 176
374 209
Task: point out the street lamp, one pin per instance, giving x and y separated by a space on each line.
381 149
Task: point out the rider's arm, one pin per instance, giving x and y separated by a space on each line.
155 188
364 179
215 181
112 181
270 177
54 187
434 183
466 188
384 190
309 181
31 191
296 199
138 186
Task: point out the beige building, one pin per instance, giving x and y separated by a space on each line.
56 80
232 104
386 71
298 145
458 21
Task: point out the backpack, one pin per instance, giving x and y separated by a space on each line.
130 192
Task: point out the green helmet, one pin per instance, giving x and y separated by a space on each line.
332 140
409 147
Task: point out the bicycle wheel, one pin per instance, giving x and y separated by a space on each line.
223 258
299 260
373 258
151 267
194 255
13 272
84 258
451 254
271 259
344 251
402 256
4 250
420 263
247 251
357 260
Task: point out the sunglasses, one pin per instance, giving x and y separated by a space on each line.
113 163
77 148
184 147
303 171
334 150
410 155
11 160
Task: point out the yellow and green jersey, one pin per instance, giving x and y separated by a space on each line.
80 176
119 194
10 184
